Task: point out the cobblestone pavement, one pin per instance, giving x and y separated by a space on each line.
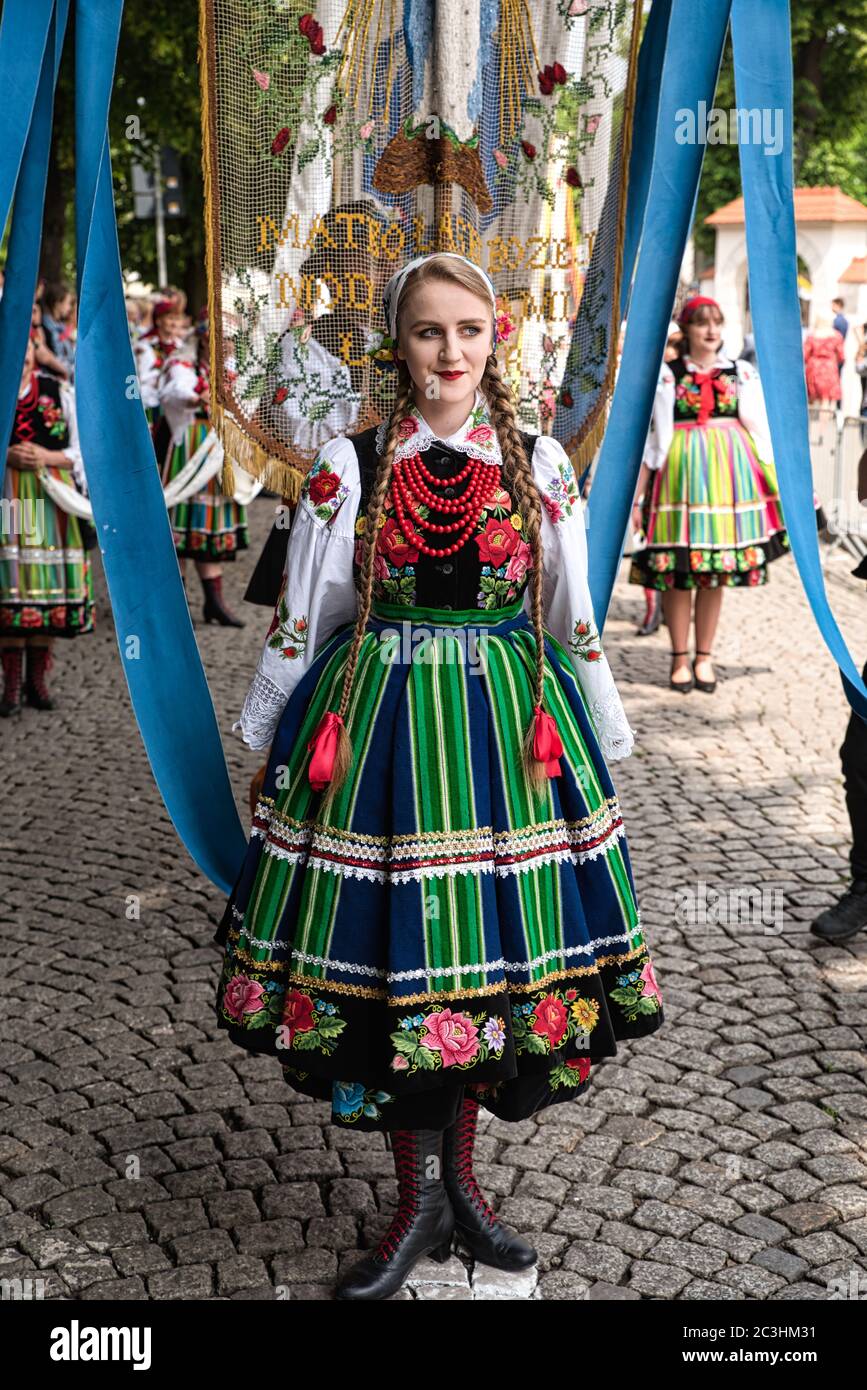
723 1158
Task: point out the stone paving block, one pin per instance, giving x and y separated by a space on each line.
804 1217
665 1219
266 1238
202 1247
563 1286
596 1259
140 1259
688 1255
192 1282
657 1280
822 1246
69 1207
701 1290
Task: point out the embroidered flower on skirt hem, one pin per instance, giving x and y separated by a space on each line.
441 922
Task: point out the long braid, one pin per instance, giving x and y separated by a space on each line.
376 506
519 476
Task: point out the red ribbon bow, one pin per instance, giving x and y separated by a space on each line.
323 745
708 383
547 744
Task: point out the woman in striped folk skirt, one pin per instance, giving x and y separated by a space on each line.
437 909
208 527
708 500
46 585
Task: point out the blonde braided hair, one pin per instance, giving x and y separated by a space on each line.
518 478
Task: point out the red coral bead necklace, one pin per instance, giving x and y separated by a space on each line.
410 487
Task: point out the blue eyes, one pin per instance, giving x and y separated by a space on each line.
433 329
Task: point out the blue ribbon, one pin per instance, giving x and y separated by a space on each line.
155 635
651 57
692 60
763 79
31 42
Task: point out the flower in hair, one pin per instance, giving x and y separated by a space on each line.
505 327
380 347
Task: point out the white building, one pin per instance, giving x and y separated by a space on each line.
831 233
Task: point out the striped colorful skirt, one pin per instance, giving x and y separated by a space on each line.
46 582
712 515
208 526
441 924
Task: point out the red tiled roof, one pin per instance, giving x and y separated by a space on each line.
829 204
855 273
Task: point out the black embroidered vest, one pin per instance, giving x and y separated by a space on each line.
39 417
687 395
490 571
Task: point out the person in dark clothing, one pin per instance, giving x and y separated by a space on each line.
846 917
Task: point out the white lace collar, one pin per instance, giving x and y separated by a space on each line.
476 436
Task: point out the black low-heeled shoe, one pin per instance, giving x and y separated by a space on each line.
682 686
708 686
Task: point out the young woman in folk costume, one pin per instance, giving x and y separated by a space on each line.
437 908
707 490
151 351
46 584
208 527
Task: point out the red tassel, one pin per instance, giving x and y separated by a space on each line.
547 744
323 745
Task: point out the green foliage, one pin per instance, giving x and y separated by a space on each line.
829 64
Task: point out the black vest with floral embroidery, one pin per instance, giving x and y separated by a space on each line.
39 417
687 395
492 568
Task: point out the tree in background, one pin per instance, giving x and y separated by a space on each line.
829 62
155 102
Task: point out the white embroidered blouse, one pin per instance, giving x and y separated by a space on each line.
320 593
751 409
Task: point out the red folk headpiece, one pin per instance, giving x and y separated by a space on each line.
689 308
163 306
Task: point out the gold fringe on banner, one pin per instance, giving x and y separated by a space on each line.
592 431
243 451
276 474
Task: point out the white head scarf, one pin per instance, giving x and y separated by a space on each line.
392 292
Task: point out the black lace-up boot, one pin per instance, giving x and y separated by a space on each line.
215 610
422 1225
487 1239
13 668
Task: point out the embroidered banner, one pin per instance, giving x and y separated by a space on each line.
343 140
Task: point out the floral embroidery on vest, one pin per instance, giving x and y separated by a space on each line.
52 416
506 557
687 395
